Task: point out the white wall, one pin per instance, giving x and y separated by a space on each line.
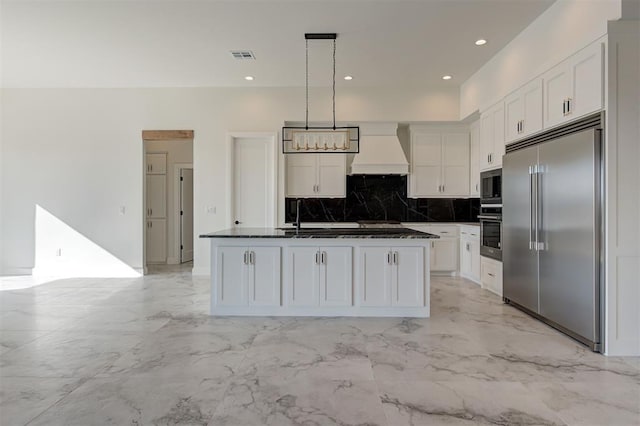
78 153
563 29
178 151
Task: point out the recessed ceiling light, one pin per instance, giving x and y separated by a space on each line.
249 78
481 42
348 77
446 77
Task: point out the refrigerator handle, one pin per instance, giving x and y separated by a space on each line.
531 205
539 223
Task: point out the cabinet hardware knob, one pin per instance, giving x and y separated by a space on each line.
237 222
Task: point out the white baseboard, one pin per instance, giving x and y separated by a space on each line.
173 261
201 271
16 271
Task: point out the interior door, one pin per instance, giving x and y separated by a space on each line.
253 203
568 269
519 257
186 215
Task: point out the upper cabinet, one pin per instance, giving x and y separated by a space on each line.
474 161
492 137
157 163
316 175
523 111
439 163
574 87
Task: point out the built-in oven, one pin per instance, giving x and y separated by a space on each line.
491 231
491 187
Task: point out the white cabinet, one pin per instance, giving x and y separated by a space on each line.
491 275
470 253
156 206
444 255
439 164
319 276
156 163
444 250
248 276
474 159
316 175
156 237
492 137
391 276
523 111
156 196
574 87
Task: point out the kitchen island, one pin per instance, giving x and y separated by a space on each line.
320 272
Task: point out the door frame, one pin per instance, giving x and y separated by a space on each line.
176 256
271 138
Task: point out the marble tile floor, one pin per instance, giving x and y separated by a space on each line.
143 351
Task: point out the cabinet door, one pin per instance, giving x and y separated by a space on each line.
303 276
465 257
513 115
486 140
332 176
156 196
157 163
586 75
475 259
264 276
301 175
531 95
474 159
336 282
375 276
156 236
408 276
231 276
426 165
444 256
455 164
498 135
556 85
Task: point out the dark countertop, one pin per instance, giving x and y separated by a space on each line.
395 233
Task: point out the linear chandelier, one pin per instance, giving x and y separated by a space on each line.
319 139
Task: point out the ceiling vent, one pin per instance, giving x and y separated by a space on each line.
242 54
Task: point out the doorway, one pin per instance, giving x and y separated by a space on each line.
168 197
252 180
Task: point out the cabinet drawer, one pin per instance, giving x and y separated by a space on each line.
470 231
491 275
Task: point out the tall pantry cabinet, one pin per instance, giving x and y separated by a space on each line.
156 207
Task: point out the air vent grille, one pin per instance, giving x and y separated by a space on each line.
242 54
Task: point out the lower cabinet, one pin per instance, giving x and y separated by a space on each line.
470 253
391 276
248 276
491 275
156 236
444 255
319 276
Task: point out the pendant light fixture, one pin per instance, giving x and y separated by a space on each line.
314 139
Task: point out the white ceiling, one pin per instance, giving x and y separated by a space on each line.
94 43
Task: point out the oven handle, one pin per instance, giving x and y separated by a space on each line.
492 218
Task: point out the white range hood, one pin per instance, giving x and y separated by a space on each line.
380 155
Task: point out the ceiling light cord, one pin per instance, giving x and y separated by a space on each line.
306 126
334 84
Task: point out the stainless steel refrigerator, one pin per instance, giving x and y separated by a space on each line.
552 228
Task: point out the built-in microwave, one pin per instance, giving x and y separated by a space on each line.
491 187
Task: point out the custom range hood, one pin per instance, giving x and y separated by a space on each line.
380 153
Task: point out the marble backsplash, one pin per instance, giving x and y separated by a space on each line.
382 197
